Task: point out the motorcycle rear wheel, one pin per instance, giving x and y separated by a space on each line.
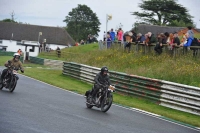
13 84
106 103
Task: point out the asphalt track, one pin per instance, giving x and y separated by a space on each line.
36 107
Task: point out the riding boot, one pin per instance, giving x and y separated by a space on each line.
93 96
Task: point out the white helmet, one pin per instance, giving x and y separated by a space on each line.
16 54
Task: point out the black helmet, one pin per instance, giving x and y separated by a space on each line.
103 69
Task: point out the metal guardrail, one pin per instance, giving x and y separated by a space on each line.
6 53
37 60
173 95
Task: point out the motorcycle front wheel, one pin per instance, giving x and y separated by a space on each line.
89 100
13 84
1 86
106 103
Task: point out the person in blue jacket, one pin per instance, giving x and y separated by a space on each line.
112 35
188 42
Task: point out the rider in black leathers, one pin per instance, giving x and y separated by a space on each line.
101 79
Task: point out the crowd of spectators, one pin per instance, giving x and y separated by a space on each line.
171 40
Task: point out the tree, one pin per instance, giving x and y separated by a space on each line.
81 22
10 20
181 23
163 12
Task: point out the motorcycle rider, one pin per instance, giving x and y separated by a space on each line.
101 79
15 62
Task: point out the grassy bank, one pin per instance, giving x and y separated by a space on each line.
183 69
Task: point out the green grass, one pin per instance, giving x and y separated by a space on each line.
78 51
3 60
183 69
197 35
56 78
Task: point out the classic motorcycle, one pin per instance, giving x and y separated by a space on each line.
10 79
103 98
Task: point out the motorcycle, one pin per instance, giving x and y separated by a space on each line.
103 98
10 79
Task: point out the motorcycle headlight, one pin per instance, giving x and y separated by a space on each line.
112 87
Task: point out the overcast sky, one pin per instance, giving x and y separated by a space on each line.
53 12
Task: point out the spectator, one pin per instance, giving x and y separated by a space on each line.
19 52
170 41
58 52
76 44
151 38
88 39
162 38
124 38
134 35
109 41
128 40
188 42
47 48
82 42
184 39
140 38
44 46
112 35
186 45
167 37
176 41
120 35
190 32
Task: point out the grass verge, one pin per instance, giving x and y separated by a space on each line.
181 69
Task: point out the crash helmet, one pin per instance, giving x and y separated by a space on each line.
104 69
16 55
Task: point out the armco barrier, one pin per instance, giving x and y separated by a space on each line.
37 60
5 53
173 95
